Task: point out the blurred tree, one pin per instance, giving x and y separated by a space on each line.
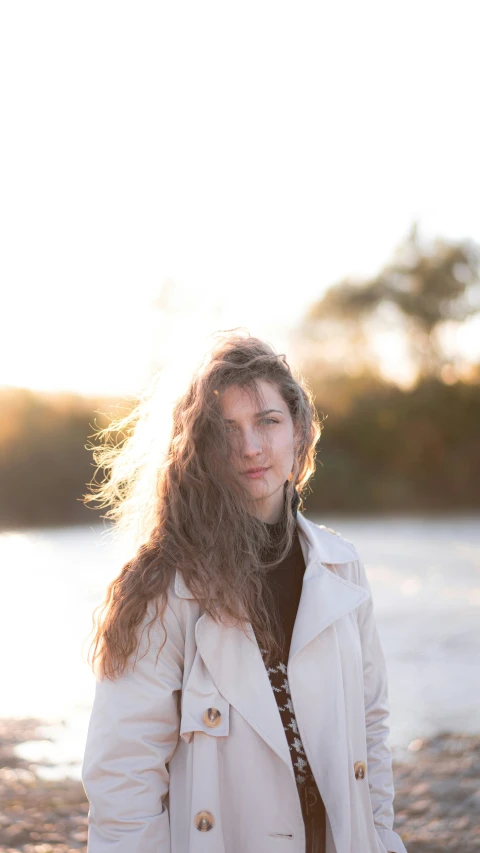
419 292
383 449
44 461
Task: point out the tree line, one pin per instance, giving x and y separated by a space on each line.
383 447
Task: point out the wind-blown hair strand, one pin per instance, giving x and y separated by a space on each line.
187 511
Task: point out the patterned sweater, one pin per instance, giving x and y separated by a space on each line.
286 584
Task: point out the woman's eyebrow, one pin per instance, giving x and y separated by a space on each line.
257 415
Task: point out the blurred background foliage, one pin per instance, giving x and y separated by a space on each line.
384 447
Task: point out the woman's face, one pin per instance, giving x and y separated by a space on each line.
262 445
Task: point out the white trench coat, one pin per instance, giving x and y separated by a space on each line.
164 774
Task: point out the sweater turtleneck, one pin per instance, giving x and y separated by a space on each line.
285 582
277 528
286 579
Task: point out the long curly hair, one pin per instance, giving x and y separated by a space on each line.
187 511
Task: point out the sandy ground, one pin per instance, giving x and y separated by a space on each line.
37 816
437 798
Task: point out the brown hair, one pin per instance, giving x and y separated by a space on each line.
188 511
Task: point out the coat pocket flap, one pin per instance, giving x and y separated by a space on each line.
203 709
204 712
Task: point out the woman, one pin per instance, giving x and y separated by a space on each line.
241 699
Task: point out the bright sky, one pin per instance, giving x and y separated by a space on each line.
237 158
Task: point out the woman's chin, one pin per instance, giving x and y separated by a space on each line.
260 488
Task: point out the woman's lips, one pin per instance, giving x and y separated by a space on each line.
254 475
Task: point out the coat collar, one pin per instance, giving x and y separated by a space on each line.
233 657
319 544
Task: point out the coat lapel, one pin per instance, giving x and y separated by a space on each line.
233 657
325 595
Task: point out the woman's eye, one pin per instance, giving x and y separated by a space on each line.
266 421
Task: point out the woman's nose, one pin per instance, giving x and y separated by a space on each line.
251 444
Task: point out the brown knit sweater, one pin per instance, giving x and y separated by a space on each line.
286 584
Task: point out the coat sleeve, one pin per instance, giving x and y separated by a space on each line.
132 734
379 756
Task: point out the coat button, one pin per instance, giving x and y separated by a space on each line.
360 770
204 821
212 717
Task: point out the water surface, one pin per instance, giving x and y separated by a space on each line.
425 578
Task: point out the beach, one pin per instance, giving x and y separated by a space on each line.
424 578
437 797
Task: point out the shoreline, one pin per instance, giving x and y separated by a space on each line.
437 797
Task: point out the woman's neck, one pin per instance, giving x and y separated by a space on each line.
278 525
